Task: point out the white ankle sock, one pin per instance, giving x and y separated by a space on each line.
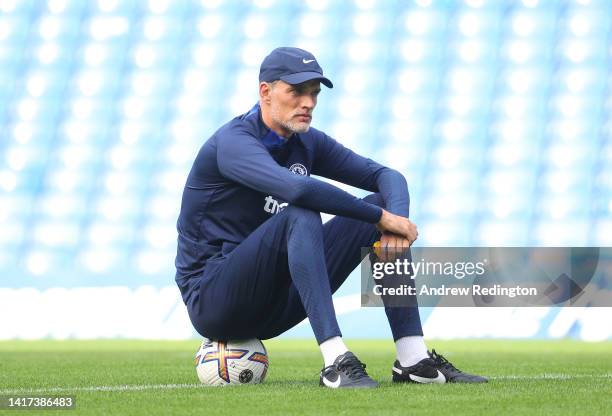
331 348
411 350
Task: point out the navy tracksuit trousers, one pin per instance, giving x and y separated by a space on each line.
285 271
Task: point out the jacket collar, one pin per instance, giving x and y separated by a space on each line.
267 136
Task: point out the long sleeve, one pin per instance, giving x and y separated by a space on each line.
243 159
336 162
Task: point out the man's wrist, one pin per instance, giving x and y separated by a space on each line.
383 217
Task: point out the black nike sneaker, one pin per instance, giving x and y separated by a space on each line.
346 371
452 373
424 372
435 369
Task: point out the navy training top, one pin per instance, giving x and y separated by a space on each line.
245 173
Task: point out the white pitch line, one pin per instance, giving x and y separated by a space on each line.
141 387
125 387
550 377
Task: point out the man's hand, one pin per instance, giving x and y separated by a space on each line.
390 247
396 227
390 241
398 233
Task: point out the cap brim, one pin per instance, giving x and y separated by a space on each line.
300 77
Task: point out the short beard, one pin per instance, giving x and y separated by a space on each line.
292 126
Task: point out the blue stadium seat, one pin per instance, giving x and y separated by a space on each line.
497 114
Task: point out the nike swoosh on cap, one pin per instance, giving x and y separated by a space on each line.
307 61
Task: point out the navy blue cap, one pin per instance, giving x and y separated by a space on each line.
292 65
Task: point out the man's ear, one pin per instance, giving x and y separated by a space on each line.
264 92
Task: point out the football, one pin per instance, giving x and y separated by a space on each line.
224 363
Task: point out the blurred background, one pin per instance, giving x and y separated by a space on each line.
499 113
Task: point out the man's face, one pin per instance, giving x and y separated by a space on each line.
291 106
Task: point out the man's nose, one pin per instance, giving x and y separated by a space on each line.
308 102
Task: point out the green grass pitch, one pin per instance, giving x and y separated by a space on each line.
158 377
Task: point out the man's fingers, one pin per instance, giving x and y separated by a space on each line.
385 241
392 245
